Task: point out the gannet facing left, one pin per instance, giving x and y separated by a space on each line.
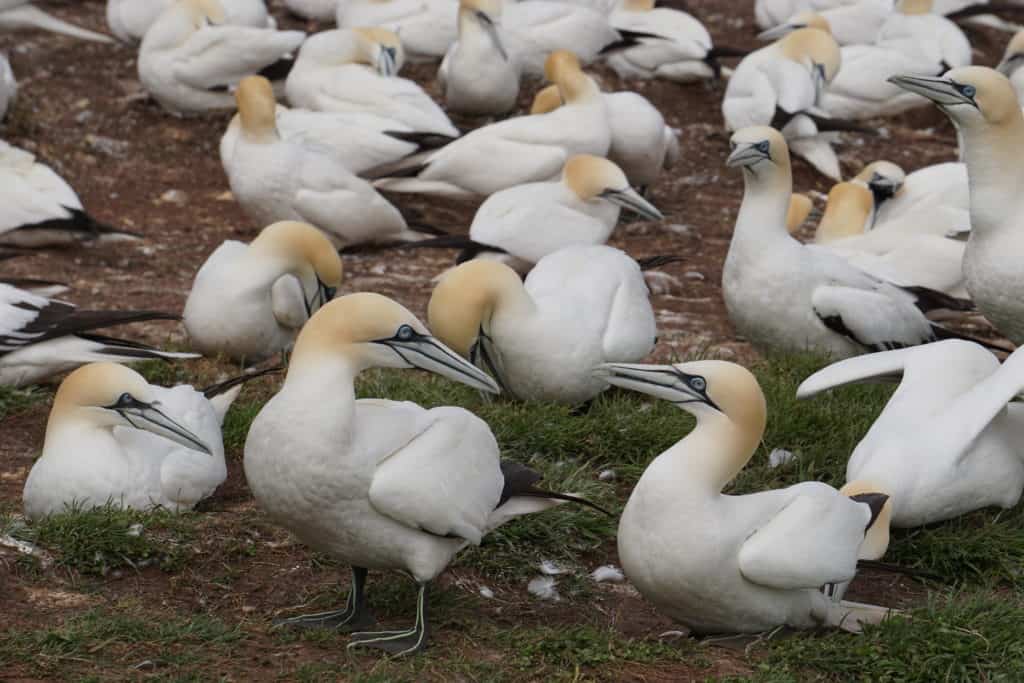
734 563
479 76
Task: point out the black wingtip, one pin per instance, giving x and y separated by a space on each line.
654 262
279 70
228 384
443 241
897 569
928 299
423 141
520 482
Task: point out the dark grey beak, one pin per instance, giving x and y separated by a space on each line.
748 154
942 91
148 417
630 199
427 353
387 62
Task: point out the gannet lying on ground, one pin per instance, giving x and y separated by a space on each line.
478 75
734 563
19 15
541 339
316 10
8 87
355 70
1011 63
130 19
249 301
428 27
771 13
379 484
113 437
539 28
934 199
949 440
857 23
42 337
189 57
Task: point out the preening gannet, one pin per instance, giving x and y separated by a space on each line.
852 24
734 563
428 27
355 70
1010 65
113 437
379 484
519 150
21 15
8 86
42 337
949 440
190 57
934 199
541 339
278 180
316 10
982 105
249 301
479 76
130 19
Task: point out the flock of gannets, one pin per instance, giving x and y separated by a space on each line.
538 307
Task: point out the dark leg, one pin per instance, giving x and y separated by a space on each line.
400 643
355 616
583 408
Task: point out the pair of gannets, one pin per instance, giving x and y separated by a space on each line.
8 86
130 19
1011 63
355 70
738 563
428 27
17 15
190 57
478 75
249 301
379 484
857 23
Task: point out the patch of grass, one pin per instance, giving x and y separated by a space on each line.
571 646
237 422
14 401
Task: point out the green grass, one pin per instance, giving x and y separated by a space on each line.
14 401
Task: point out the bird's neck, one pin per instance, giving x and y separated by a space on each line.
324 383
762 217
712 454
994 173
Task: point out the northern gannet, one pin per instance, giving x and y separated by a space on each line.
478 75
515 151
428 27
41 337
949 440
277 180
130 19
539 28
771 13
21 15
8 86
734 563
541 339
1010 65
800 207
355 70
982 105
249 301
315 10
787 296
853 24
934 199
113 437
379 484
189 57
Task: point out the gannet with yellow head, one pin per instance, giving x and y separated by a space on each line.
932 200
478 75
130 19
1011 63
427 28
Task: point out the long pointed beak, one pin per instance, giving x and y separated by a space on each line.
630 199
492 31
745 155
778 31
941 91
387 61
427 353
149 418
661 381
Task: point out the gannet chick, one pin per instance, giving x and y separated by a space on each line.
948 441
800 207
934 199
515 151
190 57
113 437
857 23
982 105
21 15
276 180
8 86
314 10
734 563
541 339
355 70
379 484
428 27
130 19
478 75
1010 65
539 28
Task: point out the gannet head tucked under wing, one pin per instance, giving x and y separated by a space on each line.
884 178
818 51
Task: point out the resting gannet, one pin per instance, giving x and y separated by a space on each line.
42 337
857 23
354 70
428 27
316 10
478 75
130 19
787 296
541 27
982 105
21 15
1013 60
734 563
277 180
934 199
190 57
800 207
541 339
379 484
113 437
249 301
771 13
515 151
949 441
8 86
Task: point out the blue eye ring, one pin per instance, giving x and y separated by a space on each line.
405 333
968 90
698 384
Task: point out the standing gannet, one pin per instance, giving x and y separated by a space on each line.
734 563
130 19
1010 65
787 296
355 70
853 24
379 484
277 180
428 27
21 15
478 75
189 57
315 10
949 441
249 301
8 86
982 105
934 199
41 337
541 339
113 437
515 151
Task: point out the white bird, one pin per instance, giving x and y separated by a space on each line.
315 10
114 438
787 296
515 151
379 484
39 209
934 199
982 105
770 13
1011 63
42 337
735 563
949 440
541 339
130 19
355 70
428 27
478 75
189 57
21 15
539 28
277 180
853 24
8 87
249 301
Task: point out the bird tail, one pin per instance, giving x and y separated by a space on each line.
29 17
720 52
853 616
223 394
946 333
655 262
928 300
423 141
470 249
56 232
627 39
520 496
124 351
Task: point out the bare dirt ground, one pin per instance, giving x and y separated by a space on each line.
80 110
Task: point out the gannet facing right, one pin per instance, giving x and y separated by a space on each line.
8 86
478 74
734 563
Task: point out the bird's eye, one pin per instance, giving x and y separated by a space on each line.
968 90
125 399
405 333
698 383
763 146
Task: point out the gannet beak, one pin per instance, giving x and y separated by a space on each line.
820 79
492 30
942 91
666 382
387 61
748 154
1010 64
779 31
148 417
630 199
883 188
427 353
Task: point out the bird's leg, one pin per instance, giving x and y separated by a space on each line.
353 617
583 408
400 643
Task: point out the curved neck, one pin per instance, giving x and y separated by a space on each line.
715 451
762 214
994 172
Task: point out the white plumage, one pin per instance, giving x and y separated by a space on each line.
479 75
428 27
8 86
679 49
130 19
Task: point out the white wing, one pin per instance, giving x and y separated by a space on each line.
221 55
288 301
875 319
